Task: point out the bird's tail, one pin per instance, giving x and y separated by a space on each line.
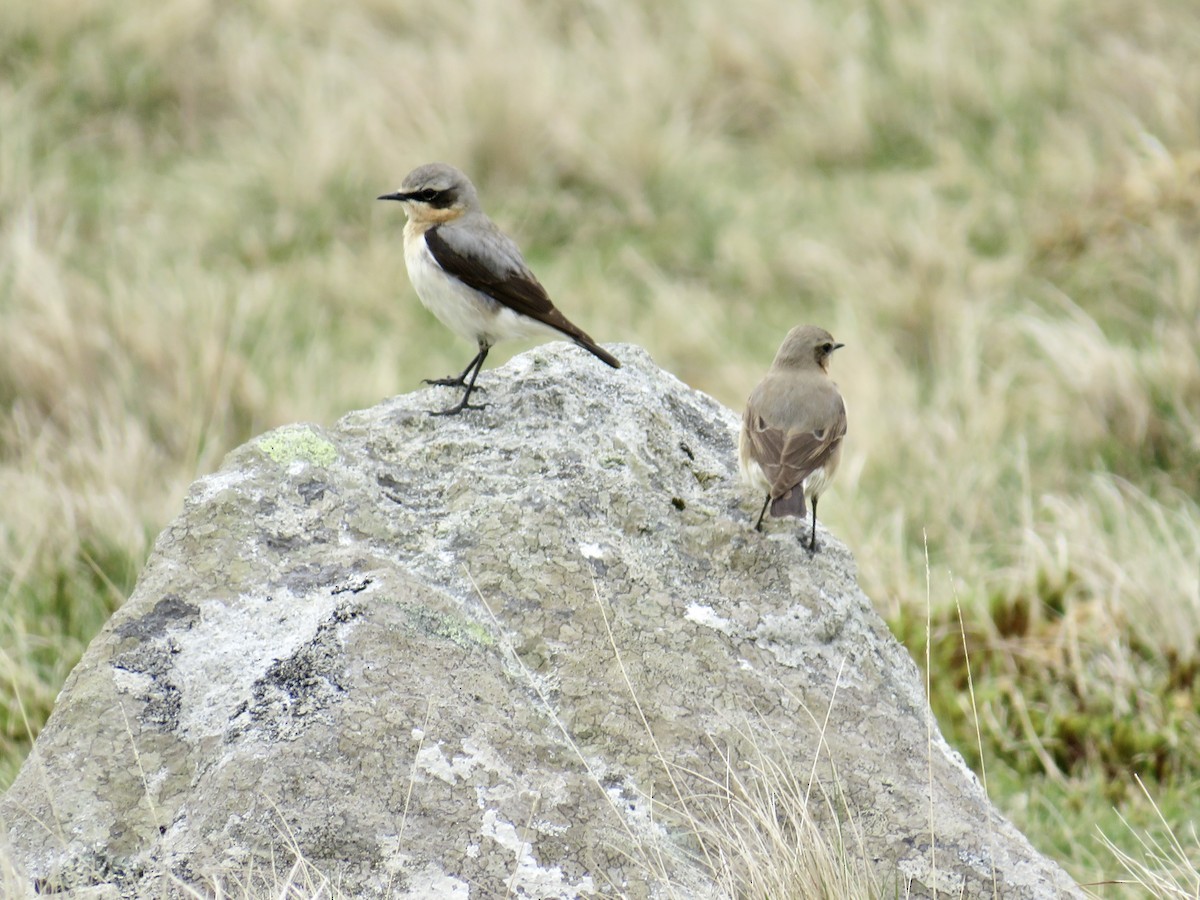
790 504
592 347
565 327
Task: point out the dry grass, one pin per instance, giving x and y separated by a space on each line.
995 206
773 832
1160 864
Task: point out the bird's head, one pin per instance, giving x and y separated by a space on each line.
804 347
435 193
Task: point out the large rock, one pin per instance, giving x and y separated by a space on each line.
533 651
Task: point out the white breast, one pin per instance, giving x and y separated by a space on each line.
461 309
464 310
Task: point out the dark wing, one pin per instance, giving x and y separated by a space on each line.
495 268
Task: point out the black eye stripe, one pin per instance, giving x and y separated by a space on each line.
438 199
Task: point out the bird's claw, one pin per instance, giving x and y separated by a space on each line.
450 381
455 410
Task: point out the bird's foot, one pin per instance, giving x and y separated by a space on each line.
455 410
451 381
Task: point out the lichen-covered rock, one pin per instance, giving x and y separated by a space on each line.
514 653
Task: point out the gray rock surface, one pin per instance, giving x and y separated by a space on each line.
418 651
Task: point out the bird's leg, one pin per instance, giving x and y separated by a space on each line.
476 364
812 544
766 503
456 380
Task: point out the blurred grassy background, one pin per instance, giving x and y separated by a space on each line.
995 206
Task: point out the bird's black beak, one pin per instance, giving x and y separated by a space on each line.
831 349
399 195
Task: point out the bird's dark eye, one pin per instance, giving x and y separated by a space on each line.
427 195
827 347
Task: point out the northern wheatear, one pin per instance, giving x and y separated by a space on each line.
471 275
792 430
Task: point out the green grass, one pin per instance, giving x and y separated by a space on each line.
995 206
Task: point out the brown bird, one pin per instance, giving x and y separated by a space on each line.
792 430
471 275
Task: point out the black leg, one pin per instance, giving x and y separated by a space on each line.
455 380
766 503
812 544
476 364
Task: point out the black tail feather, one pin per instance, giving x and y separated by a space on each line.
790 504
600 353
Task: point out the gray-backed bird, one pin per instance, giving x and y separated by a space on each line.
471 275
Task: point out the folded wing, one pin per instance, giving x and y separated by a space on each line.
789 453
490 262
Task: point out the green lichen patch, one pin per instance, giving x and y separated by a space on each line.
462 632
286 445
